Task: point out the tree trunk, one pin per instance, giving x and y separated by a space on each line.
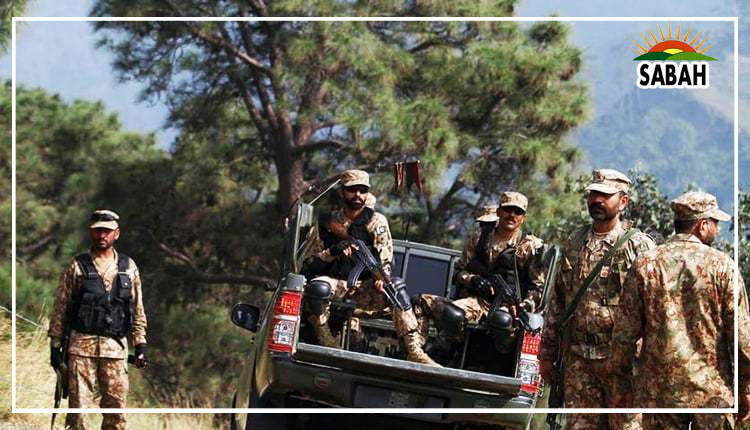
291 180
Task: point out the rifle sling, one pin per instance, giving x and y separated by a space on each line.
591 276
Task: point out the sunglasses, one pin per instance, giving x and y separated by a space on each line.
512 209
98 216
357 189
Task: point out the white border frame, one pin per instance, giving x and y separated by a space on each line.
15 409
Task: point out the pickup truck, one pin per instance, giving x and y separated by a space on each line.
284 368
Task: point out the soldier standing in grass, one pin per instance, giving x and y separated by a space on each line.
679 300
98 304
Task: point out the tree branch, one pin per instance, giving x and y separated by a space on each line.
314 146
210 278
227 46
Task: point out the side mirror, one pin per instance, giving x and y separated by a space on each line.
246 316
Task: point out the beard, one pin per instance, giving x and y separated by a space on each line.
354 203
599 212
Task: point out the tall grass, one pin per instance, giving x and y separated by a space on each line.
35 385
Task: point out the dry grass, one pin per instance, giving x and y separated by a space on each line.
36 383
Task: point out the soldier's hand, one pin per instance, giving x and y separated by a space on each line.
55 356
140 355
483 287
744 408
380 285
350 250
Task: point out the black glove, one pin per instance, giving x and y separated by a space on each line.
482 287
140 355
339 247
55 356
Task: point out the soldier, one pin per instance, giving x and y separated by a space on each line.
679 299
587 355
98 304
497 247
329 247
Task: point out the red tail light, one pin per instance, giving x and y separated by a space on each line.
284 322
528 365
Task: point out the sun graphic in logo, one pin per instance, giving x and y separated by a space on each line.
672 49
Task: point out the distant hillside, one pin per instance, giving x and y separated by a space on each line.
666 133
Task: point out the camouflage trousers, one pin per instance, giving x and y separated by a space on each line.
370 303
688 421
431 306
587 385
112 377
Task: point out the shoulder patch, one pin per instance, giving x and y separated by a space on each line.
380 229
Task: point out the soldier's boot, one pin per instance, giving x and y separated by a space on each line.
414 352
325 338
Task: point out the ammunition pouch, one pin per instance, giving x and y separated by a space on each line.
451 320
318 295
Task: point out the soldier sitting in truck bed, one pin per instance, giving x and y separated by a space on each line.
328 252
497 256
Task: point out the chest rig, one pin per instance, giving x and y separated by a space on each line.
504 264
98 311
341 267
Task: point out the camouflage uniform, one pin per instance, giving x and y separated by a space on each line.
528 257
679 300
97 358
92 358
369 301
587 376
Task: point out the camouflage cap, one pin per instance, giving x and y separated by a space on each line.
512 198
104 218
488 214
695 205
355 177
609 181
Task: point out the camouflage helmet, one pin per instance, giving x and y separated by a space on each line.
609 181
355 177
104 218
695 205
512 198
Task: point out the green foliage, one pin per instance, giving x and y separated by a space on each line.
9 9
483 105
34 297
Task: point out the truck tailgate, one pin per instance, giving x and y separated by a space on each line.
406 370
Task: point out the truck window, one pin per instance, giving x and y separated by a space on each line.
427 275
398 263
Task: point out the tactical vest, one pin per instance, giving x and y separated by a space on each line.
97 311
341 267
505 264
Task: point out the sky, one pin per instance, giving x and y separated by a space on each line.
61 56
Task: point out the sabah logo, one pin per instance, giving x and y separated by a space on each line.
672 62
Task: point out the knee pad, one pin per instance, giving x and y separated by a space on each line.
318 295
500 322
400 293
451 320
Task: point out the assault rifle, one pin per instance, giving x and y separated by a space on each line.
503 293
132 360
366 260
62 386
